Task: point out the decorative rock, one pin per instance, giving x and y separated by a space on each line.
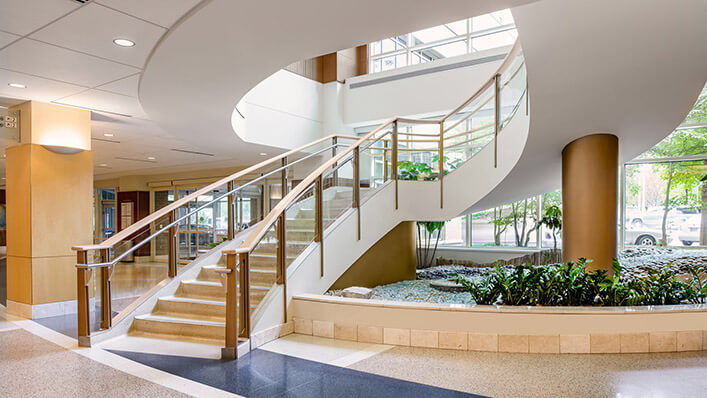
357 292
447 285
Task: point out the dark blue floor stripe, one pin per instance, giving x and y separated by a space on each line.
263 373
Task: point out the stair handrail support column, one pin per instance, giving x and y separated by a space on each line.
230 212
357 190
496 116
106 304
441 164
230 350
394 160
172 257
318 221
244 302
83 280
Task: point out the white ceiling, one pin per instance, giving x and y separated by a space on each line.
63 52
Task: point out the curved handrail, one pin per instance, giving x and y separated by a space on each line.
156 215
249 244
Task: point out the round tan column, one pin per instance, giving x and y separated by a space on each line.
589 199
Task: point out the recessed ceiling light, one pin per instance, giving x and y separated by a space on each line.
107 134
124 42
103 165
263 154
150 158
17 85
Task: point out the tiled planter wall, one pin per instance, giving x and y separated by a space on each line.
357 326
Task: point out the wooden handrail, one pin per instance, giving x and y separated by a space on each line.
125 234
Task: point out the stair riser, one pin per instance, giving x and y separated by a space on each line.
180 329
194 309
293 249
206 291
208 274
262 278
328 211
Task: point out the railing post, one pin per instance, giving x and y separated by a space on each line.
496 115
395 160
282 260
230 211
83 279
172 257
283 179
281 247
385 161
318 220
335 176
230 351
357 189
239 206
441 164
106 307
244 289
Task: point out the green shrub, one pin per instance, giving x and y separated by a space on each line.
571 284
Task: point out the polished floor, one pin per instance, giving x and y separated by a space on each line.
38 361
263 373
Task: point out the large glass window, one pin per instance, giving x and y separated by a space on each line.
484 32
665 194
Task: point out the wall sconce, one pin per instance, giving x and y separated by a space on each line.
63 150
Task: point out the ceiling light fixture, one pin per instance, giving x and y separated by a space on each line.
150 158
103 165
62 150
17 85
124 42
263 154
108 134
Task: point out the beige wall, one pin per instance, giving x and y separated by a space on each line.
146 182
48 124
49 203
391 259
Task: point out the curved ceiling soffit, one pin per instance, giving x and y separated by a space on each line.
603 75
222 48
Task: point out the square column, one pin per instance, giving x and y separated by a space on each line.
49 181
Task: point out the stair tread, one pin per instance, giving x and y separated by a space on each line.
177 319
185 299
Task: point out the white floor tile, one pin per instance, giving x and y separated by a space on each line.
330 351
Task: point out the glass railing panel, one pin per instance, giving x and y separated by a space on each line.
513 84
374 165
337 193
418 151
263 263
468 130
137 272
300 224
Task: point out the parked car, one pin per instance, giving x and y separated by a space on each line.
643 237
690 232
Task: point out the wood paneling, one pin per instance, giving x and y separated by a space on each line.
589 196
141 209
391 259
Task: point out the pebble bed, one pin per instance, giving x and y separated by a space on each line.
635 261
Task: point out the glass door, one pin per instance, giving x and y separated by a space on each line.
160 199
105 213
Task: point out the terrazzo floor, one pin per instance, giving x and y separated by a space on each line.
542 375
33 367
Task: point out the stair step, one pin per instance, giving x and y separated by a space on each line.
178 326
193 308
202 289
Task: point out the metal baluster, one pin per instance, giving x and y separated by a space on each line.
496 116
357 189
106 307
